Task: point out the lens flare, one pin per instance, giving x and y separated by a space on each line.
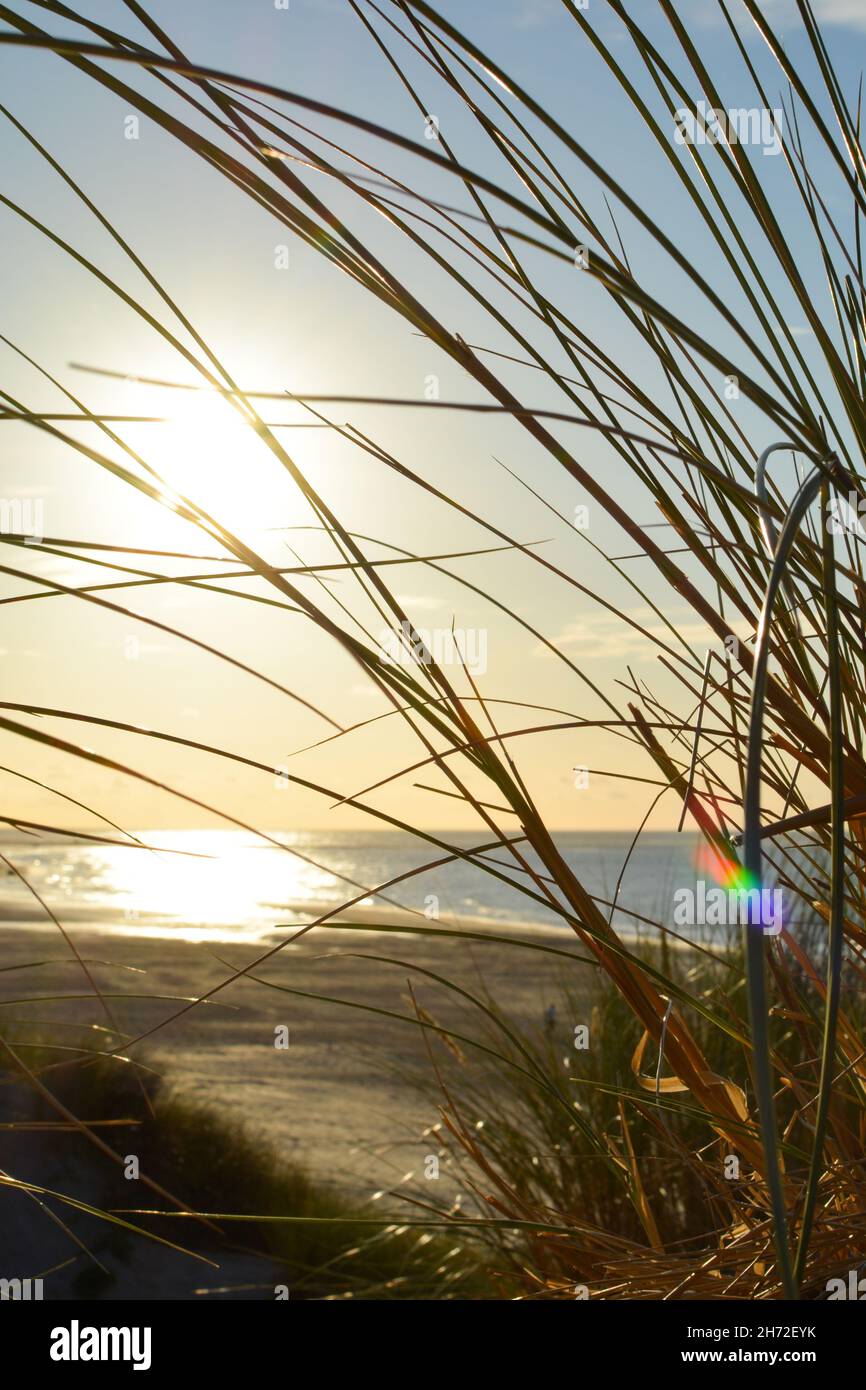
711 861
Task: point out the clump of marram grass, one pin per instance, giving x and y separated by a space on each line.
607 1174
303 1236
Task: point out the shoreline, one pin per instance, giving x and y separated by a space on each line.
362 919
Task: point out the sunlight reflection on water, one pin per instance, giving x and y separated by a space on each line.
228 884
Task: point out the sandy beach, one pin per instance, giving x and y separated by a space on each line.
339 1098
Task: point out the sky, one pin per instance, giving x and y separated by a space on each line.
281 318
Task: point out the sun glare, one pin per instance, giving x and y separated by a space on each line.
208 454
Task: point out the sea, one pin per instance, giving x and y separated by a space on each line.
226 885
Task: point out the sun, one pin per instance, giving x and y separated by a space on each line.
206 450
208 453
195 446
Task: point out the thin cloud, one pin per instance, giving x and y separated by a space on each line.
784 16
418 602
784 13
603 637
533 14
